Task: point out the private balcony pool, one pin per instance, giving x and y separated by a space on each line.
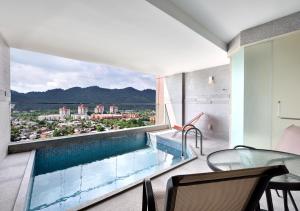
87 169
66 177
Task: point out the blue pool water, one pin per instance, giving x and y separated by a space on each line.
65 177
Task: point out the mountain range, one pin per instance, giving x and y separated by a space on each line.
127 98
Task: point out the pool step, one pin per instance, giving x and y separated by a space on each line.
168 145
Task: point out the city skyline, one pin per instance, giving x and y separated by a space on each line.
42 72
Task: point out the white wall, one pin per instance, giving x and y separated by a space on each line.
258 95
212 99
271 73
4 98
286 83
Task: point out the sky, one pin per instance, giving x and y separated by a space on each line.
31 71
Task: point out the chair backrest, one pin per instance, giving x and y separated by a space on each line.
229 190
195 119
290 140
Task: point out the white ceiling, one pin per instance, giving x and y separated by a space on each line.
171 37
132 34
227 18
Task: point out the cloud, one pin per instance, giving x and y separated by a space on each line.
32 71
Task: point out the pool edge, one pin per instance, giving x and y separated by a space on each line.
22 200
25 146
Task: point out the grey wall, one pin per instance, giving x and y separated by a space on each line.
212 99
4 97
271 29
266 31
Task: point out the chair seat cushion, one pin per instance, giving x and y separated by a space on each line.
290 140
159 196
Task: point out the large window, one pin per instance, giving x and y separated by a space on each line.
54 96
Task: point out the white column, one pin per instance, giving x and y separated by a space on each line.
237 99
4 97
160 103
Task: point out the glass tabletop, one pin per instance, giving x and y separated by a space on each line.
233 159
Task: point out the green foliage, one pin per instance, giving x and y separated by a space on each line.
15 133
63 131
42 123
116 123
100 128
93 95
26 123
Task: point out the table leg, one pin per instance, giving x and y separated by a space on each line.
258 207
285 201
196 139
201 144
269 200
293 201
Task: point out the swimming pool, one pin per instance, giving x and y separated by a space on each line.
68 176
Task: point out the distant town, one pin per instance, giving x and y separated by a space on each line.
32 125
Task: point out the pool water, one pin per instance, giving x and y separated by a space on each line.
65 177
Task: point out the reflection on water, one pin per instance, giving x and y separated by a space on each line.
61 184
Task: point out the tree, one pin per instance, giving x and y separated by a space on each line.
100 128
56 133
15 134
42 123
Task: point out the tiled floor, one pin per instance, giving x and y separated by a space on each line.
132 199
12 169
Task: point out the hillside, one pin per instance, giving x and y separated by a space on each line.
127 98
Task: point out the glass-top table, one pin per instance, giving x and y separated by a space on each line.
233 159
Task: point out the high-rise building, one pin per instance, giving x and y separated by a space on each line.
99 109
64 112
82 109
113 109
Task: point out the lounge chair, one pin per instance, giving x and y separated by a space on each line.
193 121
290 143
290 140
237 190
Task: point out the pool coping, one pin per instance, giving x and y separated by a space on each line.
119 191
25 186
25 146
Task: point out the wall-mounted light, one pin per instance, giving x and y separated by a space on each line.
211 80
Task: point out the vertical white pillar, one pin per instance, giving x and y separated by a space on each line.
173 98
4 97
237 99
160 103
